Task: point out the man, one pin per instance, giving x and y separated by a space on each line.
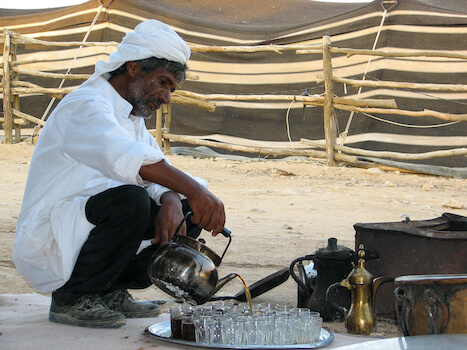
101 196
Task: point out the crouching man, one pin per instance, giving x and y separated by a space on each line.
101 196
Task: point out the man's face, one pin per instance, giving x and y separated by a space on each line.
148 91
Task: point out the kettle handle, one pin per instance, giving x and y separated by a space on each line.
225 232
183 220
294 275
331 301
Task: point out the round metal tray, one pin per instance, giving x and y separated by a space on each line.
162 331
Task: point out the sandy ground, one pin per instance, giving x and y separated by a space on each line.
277 211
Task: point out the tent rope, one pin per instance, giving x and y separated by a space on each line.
344 134
52 101
410 125
287 124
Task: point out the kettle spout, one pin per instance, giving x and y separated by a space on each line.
222 281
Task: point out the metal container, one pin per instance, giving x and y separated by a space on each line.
431 304
436 246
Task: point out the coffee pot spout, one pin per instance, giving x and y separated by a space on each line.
222 281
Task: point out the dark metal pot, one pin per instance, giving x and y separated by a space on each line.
333 264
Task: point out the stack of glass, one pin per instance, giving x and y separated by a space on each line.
236 324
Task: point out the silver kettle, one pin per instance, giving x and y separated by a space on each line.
186 269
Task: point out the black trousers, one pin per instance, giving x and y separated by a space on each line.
124 216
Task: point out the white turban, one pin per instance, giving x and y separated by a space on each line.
150 38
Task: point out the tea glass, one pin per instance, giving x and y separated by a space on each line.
176 314
214 332
201 328
188 328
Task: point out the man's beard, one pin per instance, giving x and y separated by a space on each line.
140 109
141 103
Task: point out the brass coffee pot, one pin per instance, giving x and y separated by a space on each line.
361 317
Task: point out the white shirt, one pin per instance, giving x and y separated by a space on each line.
89 144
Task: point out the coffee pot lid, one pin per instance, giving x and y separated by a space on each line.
334 252
360 275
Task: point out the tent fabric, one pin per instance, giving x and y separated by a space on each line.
409 25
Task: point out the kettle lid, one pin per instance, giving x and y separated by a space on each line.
334 252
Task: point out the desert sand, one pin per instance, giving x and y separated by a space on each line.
276 210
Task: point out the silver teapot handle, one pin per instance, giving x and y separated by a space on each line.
225 232
183 220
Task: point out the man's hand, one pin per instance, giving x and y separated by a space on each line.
208 210
168 219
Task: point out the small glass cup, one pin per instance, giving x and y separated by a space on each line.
188 328
176 321
280 335
176 314
317 323
202 310
226 324
262 325
214 333
201 328
240 324
312 329
300 316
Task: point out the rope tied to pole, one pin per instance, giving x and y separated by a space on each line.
52 101
387 5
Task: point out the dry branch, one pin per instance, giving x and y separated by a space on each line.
16 121
256 150
190 94
260 48
424 113
20 39
56 92
353 52
24 87
425 53
401 85
387 103
190 101
328 111
313 100
51 75
395 155
28 117
6 86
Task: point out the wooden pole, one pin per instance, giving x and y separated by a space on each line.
388 154
36 73
401 85
28 117
159 127
329 121
15 97
392 53
7 113
167 111
258 150
424 113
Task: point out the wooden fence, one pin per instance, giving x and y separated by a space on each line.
13 118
